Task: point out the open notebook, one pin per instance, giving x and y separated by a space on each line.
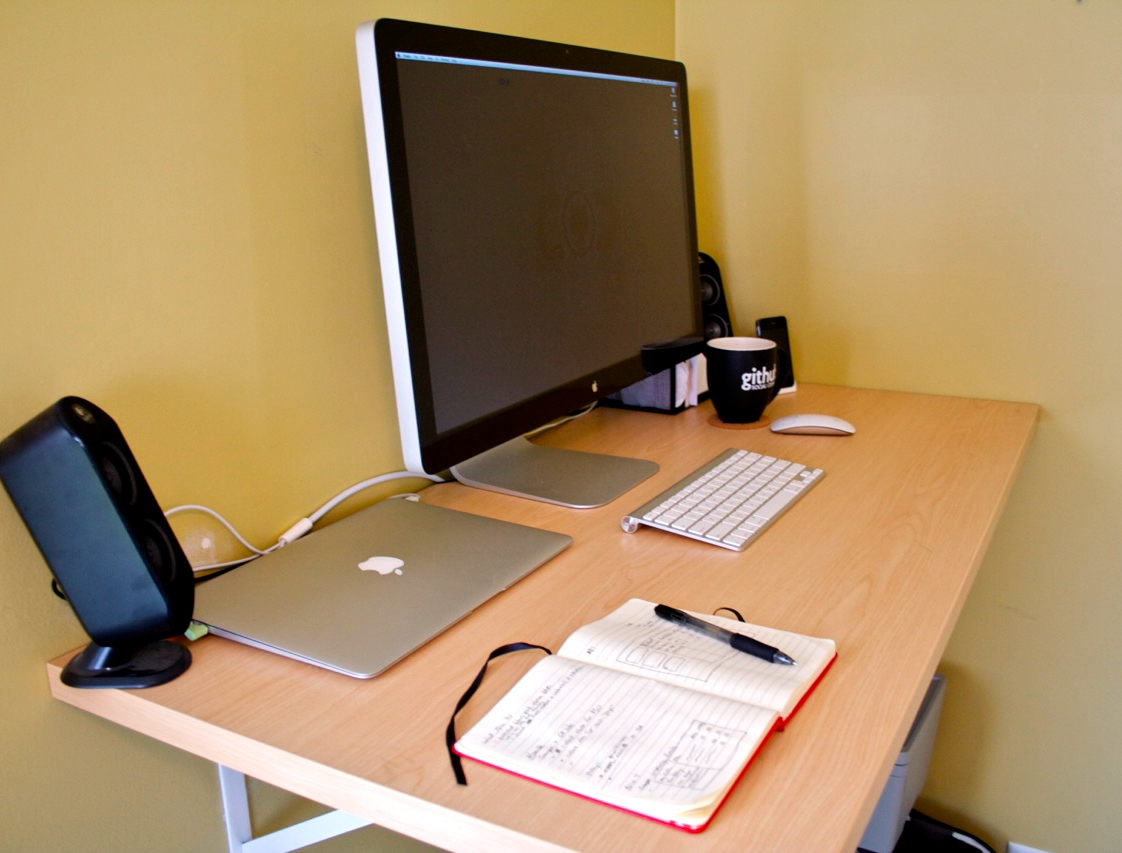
646 715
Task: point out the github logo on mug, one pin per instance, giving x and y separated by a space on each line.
743 375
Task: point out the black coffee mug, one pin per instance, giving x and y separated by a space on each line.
743 376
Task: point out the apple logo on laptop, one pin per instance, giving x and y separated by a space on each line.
382 565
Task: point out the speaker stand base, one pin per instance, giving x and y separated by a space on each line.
126 666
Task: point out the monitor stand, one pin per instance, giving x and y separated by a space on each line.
571 478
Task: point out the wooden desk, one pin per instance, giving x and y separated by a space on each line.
879 556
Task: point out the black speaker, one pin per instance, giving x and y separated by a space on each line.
88 507
714 308
659 392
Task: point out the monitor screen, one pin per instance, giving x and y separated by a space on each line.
534 210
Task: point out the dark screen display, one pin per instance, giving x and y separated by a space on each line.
551 224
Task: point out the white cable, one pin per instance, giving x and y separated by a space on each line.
366 484
301 527
304 525
239 562
969 841
563 420
222 521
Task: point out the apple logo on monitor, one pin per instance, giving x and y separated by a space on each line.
382 565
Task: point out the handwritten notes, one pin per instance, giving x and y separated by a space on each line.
644 715
572 724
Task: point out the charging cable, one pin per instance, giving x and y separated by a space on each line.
301 527
305 524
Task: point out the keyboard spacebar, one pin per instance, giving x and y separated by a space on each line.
777 503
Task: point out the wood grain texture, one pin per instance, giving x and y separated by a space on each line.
878 556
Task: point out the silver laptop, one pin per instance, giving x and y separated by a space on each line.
364 592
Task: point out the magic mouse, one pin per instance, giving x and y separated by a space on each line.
812 425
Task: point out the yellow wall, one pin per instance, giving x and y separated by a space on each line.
932 192
186 238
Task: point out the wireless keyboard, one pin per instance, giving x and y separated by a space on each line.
728 501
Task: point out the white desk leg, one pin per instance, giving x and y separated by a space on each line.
239 833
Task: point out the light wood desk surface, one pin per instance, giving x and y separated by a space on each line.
878 556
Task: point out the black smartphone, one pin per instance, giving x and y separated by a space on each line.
775 329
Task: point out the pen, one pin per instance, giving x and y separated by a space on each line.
740 642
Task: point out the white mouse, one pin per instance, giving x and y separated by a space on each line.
812 425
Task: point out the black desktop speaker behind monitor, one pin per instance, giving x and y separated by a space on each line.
714 307
88 507
660 392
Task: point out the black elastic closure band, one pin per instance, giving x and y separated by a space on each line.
450 734
731 610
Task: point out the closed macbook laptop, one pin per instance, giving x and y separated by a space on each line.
364 592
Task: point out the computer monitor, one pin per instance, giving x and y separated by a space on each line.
535 220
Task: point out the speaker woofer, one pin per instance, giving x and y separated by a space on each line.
117 473
159 551
714 307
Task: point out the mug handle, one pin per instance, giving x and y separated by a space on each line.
783 369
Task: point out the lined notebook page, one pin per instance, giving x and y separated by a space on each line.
592 731
633 639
